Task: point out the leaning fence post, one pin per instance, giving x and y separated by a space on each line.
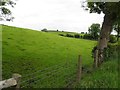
79 72
17 77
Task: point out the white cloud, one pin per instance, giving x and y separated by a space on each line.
53 14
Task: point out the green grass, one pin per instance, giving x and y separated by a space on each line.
25 51
105 76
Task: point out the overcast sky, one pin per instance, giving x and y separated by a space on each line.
64 15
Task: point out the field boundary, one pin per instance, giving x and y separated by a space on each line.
57 76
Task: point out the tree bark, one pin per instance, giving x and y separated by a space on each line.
104 36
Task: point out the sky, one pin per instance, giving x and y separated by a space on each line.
64 15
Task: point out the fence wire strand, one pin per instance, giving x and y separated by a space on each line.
51 76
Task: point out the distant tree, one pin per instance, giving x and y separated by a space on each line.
94 30
57 30
44 30
82 32
5 13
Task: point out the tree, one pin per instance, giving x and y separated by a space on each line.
44 30
82 32
94 30
111 11
5 13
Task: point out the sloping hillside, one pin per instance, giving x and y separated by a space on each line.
27 50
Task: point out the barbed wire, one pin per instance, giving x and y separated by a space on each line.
37 71
57 67
46 75
70 80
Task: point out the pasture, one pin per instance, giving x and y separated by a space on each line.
26 51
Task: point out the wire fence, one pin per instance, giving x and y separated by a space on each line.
62 75
58 76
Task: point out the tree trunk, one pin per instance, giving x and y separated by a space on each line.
104 36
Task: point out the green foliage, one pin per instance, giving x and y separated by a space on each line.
96 7
87 36
5 13
105 7
112 39
106 76
94 31
108 8
82 32
61 34
116 27
69 35
111 51
77 36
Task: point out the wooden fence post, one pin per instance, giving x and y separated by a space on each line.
17 77
96 58
79 72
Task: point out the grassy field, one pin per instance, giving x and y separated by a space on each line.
25 51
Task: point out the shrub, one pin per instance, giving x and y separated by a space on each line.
87 36
81 36
82 32
61 34
110 52
77 36
112 39
69 35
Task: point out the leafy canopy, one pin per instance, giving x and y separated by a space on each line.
5 13
108 8
94 30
